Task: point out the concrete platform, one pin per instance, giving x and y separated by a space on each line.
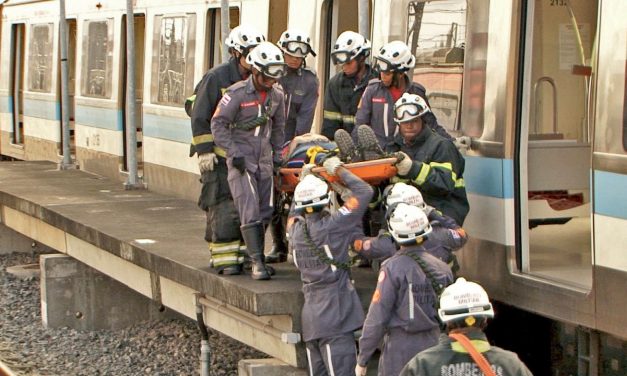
154 244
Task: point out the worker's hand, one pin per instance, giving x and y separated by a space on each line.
403 163
360 371
306 171
428 209
343 191
206 162
463 143
240 164
332 164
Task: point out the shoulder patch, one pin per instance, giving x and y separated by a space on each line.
378 100
352 203
381 276
226 98
376 297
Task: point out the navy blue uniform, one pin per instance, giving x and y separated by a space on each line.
301 96
332 310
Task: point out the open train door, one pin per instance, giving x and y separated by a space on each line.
554 153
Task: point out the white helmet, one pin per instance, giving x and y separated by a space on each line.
348 46
395 57
463 299
296 43
401 192
408 224
311 192
243 38
408 107
268 59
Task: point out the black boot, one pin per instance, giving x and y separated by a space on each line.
368 144
253 234
348 151
278 253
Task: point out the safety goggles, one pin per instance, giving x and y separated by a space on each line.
275 70
383 65
408 111
299 49
341 57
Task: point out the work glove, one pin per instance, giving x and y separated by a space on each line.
240 164
360 371
428 209
343 191
206 162
306 171
332 164
403 163
463 143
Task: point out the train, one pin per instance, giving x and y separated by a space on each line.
539 88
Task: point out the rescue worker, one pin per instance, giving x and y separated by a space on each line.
465 309
248 125
222 229
301 86
376 106
445 238
428 160
403 311
319 242
344 90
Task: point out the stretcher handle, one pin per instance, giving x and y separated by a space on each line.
373 162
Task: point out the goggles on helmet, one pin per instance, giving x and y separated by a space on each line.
384 65
408 111
296 47
341 57
273 70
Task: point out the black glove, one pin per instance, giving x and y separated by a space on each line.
240 164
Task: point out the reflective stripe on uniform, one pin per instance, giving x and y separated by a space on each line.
480 345
426 168
332 115
310 365
422 175
331 369
219 151
225 254
348 119
203 138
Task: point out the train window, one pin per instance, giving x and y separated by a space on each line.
98 43
436 33
40 58
173 59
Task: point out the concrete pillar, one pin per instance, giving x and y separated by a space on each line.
267 367
77 296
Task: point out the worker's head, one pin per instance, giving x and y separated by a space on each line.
402 192
465 304
408 224
241 40
350 51
392 61
311 194
296 45
408 112
267 65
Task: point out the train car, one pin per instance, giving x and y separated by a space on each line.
538 85
174 45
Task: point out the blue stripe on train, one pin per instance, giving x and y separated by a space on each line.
106 118
491 177
42 109
6 104
609 194
167 128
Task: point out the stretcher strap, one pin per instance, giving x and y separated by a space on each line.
481 361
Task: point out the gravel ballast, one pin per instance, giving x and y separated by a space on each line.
168 347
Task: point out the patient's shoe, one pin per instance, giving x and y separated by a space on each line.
368 145
344 141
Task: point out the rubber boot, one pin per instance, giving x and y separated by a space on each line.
278 253
344 141
253 234
368 143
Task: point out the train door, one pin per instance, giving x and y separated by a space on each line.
336 18
555 153
213 35
140 28
17 82
71 59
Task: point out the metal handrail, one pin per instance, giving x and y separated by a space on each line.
536 105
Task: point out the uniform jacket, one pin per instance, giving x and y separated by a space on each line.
376 108
331 306
448 358
240 104
340 101
437 170
404 299
301 87
208 93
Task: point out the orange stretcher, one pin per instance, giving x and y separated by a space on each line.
372 172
